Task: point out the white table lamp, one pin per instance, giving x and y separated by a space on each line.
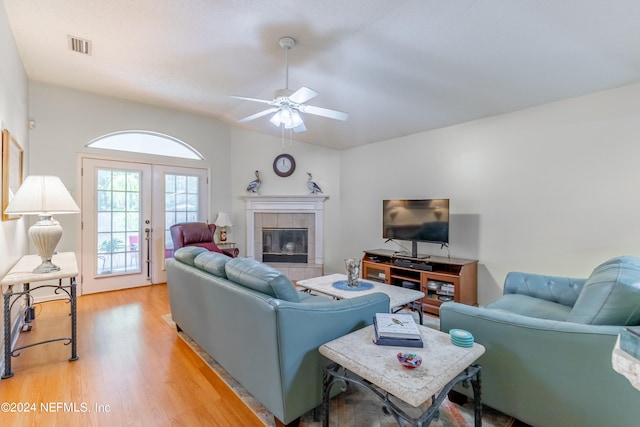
222 222
43 195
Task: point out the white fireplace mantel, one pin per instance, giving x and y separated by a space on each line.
286 204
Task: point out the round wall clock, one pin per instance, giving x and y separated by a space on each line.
284 165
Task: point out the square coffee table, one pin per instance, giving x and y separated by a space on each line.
358 360
398 296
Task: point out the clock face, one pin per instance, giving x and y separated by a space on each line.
284 165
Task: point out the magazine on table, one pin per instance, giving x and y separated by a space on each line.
396 325
404 331
399 339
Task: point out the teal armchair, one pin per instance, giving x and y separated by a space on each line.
549 342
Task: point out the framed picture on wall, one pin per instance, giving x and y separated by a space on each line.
12 164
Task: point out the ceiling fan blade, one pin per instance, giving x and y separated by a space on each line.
264 101
260 114
324 112
302 95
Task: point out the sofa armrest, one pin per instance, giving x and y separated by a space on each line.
231 252
561 290
320 319
303 327
533 363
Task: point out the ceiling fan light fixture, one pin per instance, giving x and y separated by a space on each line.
276 119
287 105
296 120
287 117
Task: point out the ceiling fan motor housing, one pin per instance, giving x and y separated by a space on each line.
282 95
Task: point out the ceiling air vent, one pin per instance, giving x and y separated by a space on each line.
79 45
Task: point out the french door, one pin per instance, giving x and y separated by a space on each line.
127 209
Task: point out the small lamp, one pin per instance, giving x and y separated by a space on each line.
43 195
222 222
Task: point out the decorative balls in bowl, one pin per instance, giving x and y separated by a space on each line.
409 360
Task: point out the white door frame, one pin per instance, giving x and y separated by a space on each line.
158 273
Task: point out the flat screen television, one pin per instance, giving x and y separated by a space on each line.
424 220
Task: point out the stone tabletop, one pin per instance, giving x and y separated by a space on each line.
22 272
625 364
398 295
441 362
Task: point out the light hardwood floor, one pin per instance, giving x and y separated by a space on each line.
133 370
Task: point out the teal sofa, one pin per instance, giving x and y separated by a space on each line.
549 343
250 318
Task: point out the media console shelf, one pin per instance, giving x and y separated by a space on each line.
440 278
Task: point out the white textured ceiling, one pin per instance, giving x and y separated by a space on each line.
397 67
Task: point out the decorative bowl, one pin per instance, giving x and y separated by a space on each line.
409 360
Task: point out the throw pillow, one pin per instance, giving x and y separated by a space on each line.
212 262
611 295
187 254
262 278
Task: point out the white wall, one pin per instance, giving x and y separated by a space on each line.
548 189
14 90
13 117
551 189
251 151
66 120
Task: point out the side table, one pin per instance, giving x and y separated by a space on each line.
376 368
625 364
22 273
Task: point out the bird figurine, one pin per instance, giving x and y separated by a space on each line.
313 187
255 184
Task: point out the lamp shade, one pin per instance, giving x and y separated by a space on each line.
42 194
223 220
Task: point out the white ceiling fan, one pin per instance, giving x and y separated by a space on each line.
287 105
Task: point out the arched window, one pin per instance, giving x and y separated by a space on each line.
137 141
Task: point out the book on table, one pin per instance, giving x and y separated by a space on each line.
396 329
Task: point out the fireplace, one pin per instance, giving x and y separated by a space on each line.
278 228
285 245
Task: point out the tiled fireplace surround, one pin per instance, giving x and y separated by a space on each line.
287 212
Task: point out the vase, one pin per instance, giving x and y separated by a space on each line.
353 271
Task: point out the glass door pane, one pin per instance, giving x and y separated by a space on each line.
182 204
118 221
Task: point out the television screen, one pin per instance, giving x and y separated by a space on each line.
425 220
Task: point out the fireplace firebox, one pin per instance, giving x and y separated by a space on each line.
285 245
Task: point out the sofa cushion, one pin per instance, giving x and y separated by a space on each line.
262 278
611 295
531 306
187 254
212 262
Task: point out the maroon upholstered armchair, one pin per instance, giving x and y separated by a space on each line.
198 234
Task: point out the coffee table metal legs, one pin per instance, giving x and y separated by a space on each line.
334 374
